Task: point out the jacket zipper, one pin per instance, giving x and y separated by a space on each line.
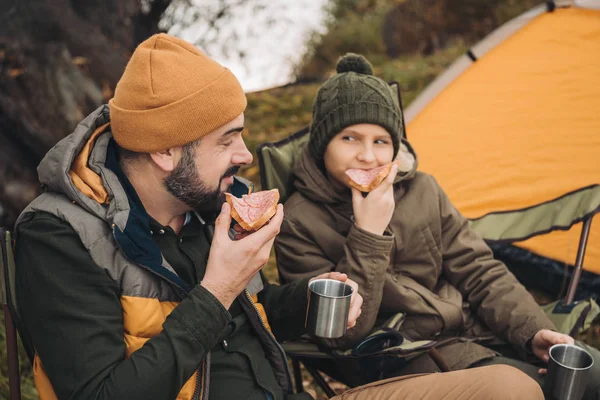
264 326
200 375
203 372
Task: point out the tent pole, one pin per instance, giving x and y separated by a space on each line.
585 233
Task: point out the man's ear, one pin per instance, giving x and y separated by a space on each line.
167 160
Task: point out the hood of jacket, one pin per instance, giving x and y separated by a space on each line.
84 167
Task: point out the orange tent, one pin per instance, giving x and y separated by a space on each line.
512 132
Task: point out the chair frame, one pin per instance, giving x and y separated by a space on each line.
583 239
297 360
261 161
12 350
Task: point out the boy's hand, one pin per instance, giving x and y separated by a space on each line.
543 340
374 212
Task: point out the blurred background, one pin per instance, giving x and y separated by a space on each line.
60 59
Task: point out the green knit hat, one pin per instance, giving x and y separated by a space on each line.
353 96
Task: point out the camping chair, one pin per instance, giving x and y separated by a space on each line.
276 161
7 295
570 316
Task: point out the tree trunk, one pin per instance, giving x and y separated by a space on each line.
59 60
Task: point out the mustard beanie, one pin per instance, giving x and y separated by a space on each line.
172 94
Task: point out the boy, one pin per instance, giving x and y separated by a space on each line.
406 246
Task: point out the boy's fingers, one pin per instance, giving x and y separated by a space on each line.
356 301
355 310
338 276
389 180
546 358
356 195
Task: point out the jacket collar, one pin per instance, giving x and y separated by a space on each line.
135 240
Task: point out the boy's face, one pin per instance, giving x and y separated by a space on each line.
362 146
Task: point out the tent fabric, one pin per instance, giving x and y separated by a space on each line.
515 136
464 62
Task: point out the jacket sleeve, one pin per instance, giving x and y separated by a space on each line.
491 289
365 261
72 313
285 307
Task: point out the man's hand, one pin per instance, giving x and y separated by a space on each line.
543 340
355 301
233 263
374 212
240 232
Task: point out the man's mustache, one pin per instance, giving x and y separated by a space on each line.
231 171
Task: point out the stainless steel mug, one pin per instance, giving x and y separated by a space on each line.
328 308
568 370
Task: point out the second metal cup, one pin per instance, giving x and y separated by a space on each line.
328 307
567 372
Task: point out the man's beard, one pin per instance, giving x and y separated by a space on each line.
185 184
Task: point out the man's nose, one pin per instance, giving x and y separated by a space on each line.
242 156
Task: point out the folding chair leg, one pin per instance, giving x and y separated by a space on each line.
297 375
585 233
14 379
320 381
438 359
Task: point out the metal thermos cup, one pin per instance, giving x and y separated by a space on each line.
328 308
568 370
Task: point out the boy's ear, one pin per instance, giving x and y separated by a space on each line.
167 160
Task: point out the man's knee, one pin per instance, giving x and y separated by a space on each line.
509 382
